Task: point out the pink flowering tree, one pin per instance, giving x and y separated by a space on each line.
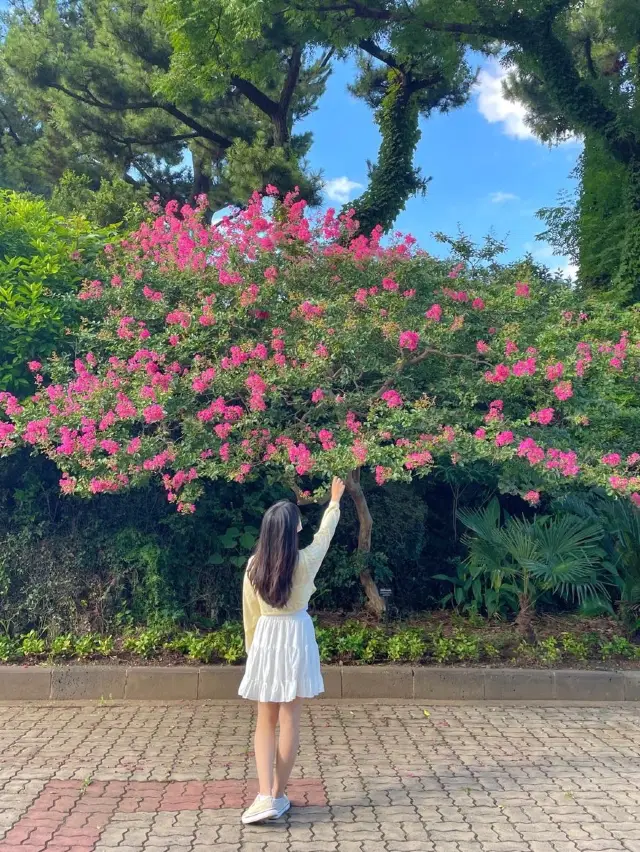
271 345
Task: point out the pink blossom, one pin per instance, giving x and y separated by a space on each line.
456 295
543 417
563 391
389 284
478 304
616 363
174 339
418 459
108 420
526 367
635 499
224 452
317 395
321 351
409 294
382 474
181 318
434 313
480 434
510 348
91 290
618 483
34 366
532 497
457 269
392 398
326 439
116 281
554 371
110 446
300 456
482 347
612 459
361 296
152 295
67 484
522 290
504 438
271 273
134 446
499 375
153 413
359 451
309 311
352 422
409 340
531 451
449 434
633 459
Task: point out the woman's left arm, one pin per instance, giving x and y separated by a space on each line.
250 611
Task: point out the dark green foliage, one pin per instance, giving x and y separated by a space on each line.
43 259
602 215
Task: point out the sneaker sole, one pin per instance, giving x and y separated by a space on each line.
263 816
282 812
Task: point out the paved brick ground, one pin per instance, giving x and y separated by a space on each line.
371 778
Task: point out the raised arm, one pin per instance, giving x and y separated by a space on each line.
313 555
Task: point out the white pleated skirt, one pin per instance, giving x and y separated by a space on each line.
283 662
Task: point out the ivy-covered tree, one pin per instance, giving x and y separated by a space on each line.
575 62
267 345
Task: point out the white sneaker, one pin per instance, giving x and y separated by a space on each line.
281 805
261 810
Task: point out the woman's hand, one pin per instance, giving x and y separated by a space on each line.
337 489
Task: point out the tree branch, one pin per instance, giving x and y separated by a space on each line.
10 131
91 100
171 109
291 80
362 11
418 359
202 131
369 46
264 103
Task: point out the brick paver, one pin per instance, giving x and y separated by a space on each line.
371 778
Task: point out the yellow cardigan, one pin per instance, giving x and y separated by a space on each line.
309 562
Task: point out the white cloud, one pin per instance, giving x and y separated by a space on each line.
341 189
495 107
569 270
543 253
502 197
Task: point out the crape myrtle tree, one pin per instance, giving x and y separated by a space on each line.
271 345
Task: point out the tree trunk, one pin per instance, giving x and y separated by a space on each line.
524 618
375 602
628 278
393 179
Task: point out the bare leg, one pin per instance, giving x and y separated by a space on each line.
265 744
288 743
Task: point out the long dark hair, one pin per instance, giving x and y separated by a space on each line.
276 554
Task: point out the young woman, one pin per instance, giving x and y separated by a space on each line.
283 664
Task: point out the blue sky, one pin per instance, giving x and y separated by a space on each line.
488 171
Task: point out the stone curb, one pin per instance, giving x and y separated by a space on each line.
428 683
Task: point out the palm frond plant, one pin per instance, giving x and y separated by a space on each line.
560 554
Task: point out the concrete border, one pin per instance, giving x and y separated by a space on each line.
397 683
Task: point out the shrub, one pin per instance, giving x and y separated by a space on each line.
43 259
